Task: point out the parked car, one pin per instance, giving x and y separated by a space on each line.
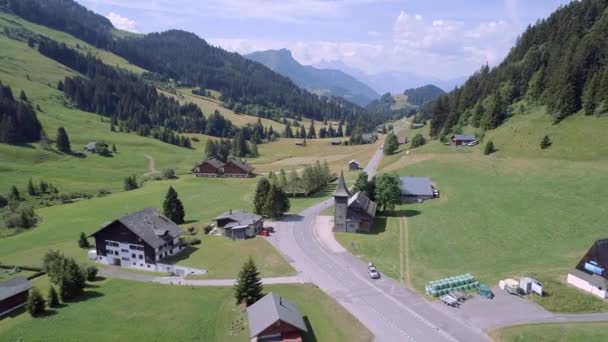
473 143
372 271
264 232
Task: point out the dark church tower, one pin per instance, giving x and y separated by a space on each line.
341 205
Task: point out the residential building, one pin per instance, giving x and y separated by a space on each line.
208 168
233 168
352 213
13 294
274 318
416 189
591 273
463 139
140 240
239 224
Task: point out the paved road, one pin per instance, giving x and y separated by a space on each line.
115 272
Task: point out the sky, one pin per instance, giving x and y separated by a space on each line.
441 39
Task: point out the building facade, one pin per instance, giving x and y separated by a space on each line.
352 213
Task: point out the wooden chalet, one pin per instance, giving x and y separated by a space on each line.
237 168
208 168
234 168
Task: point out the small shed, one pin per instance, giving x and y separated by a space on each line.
274 318
462 139
13 294
354 165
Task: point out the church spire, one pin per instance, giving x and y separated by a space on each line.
342 190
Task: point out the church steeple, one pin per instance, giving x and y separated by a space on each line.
342 190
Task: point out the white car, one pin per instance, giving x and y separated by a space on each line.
373 272
473 143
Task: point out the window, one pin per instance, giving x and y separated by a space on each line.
142 265
125 259
141 256
148 266
124 251
133 255
134 264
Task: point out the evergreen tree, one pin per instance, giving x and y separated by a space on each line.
63 141
254 149
83 242
288 132
248 288
277 203
114 148
391 144
14 194
3 202
261 193
312 133
173 207
35 303
130 183
211 150
388 191
53 298
489 148
31 188
22 96
72 280
293 182
302 134
282 181
340 133
545 143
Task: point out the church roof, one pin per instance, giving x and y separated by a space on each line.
342 190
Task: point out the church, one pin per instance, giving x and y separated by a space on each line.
352 213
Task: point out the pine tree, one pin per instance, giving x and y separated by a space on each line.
22 96
72 281
53 298
31 188
248 288
261 193
293 181
130 183
63 141
489 148
35 303
83 242
173 207
312 133
545 143
277 203
211 149
14 194
340 133
302 133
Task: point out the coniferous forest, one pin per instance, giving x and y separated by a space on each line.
18 121
560 62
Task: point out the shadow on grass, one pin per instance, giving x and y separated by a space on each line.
183 255
77 154
85 296
99 278
190 221
378 228
310 335
26 145
402 213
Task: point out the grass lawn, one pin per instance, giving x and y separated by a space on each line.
115 310
570 332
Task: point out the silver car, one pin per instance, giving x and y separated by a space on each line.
373 272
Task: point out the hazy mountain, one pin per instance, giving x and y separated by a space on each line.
392 81
328 82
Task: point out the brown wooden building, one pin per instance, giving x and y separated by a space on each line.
234 168
237 168
208 168
274 318
13 294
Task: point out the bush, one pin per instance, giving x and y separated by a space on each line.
418 140
191 241
53 298
545 143
90 272
208 228
103 192
191 230
35 303
168 173
195 139
489 149
3 202
82 241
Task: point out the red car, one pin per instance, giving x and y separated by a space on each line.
264 232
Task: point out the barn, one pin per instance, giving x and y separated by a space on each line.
415 189
463 139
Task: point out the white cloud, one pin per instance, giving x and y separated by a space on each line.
122 23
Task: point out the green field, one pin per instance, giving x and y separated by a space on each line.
579 332
521 211
111 309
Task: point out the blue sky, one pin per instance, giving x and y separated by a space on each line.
434 38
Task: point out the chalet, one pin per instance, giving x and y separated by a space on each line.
416 189
352 213
139 240
208 168
354 165
274 318
236 168
402 140
13 294
463 139
90 147
239 224
591 273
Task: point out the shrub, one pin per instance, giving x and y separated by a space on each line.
3 202
103 192
90 272
208 228
191 230
489 149
418 140
195 139
53 298
82 241
545 143
35 303
168 173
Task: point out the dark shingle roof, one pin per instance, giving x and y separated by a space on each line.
151 226
14 286
239 218
271 309
342 189
416 186
464 137
241 164
361 201
215 163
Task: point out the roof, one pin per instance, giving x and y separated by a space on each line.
241 164
152 227
216 163
416 186
342 190
14 286
361 201
239 218
354 161
598 253
271 309
464 137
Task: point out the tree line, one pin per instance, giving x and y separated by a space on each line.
18 121
559 62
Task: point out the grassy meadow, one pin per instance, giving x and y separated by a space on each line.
564 332
110 309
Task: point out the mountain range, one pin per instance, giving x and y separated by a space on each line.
324 82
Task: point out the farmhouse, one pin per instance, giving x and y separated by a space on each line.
352 213
139 240
238 224
415 189
234 168
462 139
353 165
13 294
274 318
591 273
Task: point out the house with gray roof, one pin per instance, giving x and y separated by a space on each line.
139 240
462 139
239 224
274 318
352 213
13 294
591 273
416 189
